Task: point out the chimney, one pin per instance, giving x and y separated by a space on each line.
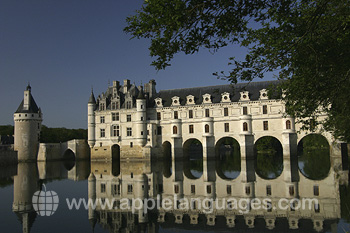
150 88
126 85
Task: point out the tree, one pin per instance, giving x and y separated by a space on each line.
306 42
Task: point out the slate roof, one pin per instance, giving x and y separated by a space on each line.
92 98
215 92
33 108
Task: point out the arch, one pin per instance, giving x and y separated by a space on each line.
288 124
69 155
268 153
174 129
193 168
115 160
314 156
115 152
228 158
167 160
193 149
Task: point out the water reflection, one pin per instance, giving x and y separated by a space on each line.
268 158
314 157
229 176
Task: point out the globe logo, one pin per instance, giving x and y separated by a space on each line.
45 203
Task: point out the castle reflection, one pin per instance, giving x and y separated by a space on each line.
221 179
204 179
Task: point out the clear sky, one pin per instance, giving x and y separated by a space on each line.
63 47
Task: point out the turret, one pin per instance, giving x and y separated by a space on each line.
141 121
91 120
27 118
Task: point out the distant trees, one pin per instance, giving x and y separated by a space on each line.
51 135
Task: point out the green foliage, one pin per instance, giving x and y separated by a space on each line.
307 42
6 130
313 154
56 135
269 157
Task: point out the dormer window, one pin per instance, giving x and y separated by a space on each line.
263 94
244 96
190 99
175 101
159 102
225 97
206 99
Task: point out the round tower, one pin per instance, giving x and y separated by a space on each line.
91 120
27 118
141 121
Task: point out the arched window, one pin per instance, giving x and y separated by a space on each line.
245 126
288 126
206 128
174 129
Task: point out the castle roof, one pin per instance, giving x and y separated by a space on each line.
33 108
215 91
92 98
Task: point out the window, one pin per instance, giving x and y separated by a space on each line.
102 119
291 190
209 189
115 130
247 190
227 127
103 188
159 116
228 189
266 125
102 106
317 208
129 132
141 133
115 189
245 126
130 188
288 125
268 190
141 118
176 188
264 109
206 128
193 189
131 144
128 118
190 114
174 129
115 116
176 115
245 110
191 129
207 113
225 111
159 130
128 104
102 133
316 190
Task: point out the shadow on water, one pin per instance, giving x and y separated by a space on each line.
314 157
268 154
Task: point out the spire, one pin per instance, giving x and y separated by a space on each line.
29 88
92 97
141 95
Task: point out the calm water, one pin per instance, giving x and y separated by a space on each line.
229 176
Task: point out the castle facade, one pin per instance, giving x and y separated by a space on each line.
139 122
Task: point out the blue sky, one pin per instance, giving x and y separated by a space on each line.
63 47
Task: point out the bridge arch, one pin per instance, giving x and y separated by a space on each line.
115 160
193 149
314 156
268 154
69 155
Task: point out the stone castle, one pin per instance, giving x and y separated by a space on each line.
140 123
